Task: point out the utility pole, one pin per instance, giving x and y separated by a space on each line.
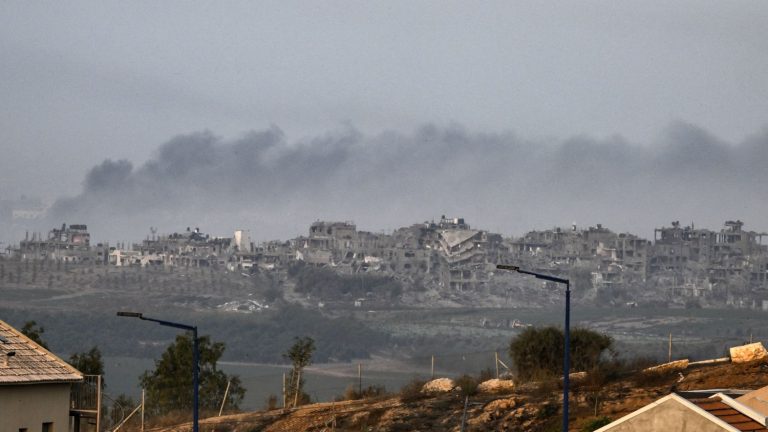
567 331
360 379
432 374
195 360
142 410
98 403
670 347
296 396
223 401
284 395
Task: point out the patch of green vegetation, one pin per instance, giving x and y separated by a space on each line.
326 284
261 337
595 424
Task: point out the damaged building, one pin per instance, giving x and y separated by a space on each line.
189 248
725 266
67 244
695 262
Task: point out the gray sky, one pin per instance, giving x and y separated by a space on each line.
84 82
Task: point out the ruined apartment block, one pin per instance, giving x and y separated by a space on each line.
68 244
696 262
729 265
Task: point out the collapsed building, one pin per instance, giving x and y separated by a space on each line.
447 253
697 262
613 259
728 266
67 244
190 248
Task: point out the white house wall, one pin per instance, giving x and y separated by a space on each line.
29 406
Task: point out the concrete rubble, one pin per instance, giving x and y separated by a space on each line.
676 365
496 386
696 266
439 385
748 353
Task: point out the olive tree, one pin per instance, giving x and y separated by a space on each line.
538 352
300 355
169 386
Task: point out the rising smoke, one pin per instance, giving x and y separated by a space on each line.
498 181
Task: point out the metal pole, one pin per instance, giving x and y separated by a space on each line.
496 362
98 403
223 401
567 357
298 383
432 375
670 348
464 413
567 354
142 410
195 358
196 377
360 379
125 420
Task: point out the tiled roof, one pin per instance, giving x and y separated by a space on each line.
717 408
31 362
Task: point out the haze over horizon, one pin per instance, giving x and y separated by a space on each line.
268 116
263 182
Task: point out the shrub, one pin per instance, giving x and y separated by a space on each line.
548 409
411 392
352 393
538 352
486 374
468 385
595 424
271 402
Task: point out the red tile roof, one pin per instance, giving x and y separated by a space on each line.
717 408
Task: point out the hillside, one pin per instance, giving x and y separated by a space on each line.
531 407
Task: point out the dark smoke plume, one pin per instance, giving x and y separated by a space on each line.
497 181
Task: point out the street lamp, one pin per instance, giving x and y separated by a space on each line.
567 355
195 353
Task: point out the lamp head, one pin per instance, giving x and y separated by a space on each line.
130 314
507 267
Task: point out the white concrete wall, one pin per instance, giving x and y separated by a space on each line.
669 416
243 240
29 406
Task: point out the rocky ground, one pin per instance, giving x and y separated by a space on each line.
530 407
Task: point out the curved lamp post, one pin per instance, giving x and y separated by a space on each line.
567 354
195 353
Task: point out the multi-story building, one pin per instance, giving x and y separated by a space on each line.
68 244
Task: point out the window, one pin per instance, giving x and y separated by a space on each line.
22 429
48 427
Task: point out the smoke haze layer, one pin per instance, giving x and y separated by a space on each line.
498 181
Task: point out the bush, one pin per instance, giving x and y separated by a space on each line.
595 424
271 402
372 391
486 374
538 352
548 409
544 388
468 385
411 392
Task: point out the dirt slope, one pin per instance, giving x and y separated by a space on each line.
533 407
